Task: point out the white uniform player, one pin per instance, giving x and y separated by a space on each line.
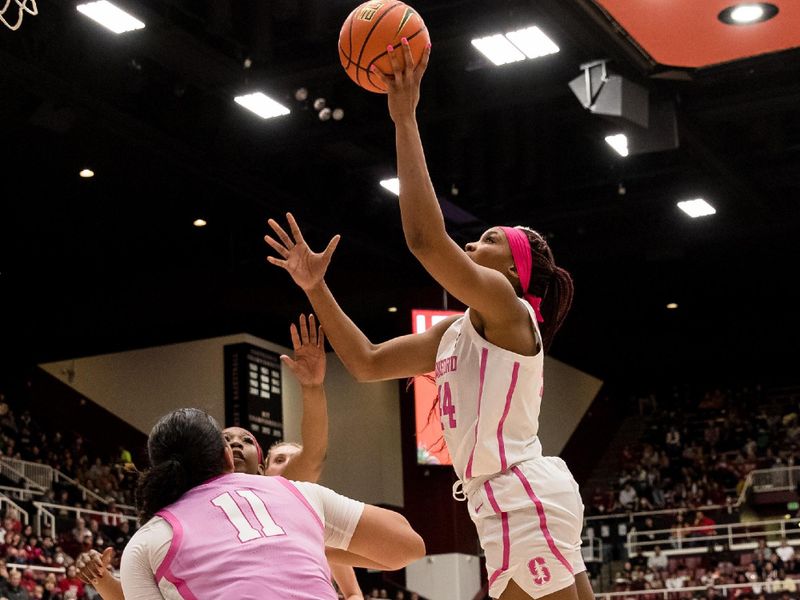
526 507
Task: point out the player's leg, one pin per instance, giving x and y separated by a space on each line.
580 590
584 586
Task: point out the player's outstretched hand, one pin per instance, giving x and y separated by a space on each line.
308 364
93 566
306 267
404 82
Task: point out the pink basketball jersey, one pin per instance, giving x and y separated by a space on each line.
489 401
246 537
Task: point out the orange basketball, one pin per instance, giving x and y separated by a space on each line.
367 32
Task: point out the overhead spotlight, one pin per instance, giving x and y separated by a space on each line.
325 114
618 142
319 103
533 42
672 306
697 208
338 114
498 49
301 94
748 14
393 185
392 309
515 46
110 16
86 173
261 104
200 223
621 189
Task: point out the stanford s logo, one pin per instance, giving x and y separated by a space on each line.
539 570
410 12
369 11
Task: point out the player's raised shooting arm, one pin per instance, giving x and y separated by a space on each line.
485 290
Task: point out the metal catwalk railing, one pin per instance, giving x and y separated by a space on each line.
731 535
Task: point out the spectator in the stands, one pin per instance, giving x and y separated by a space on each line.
786 553
80 530
12 588
658 561
638 560
72 583
123 536
48 551
124 456
627 497
678 530
676 580
703 525
769 576
646 529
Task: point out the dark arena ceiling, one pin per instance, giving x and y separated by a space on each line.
114 262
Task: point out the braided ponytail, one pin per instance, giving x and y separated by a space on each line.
551 283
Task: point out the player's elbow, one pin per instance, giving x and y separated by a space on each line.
408 547
413 548
419 243
366 368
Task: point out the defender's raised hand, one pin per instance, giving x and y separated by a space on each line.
306 267
308 364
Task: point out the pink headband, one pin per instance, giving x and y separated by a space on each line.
523 260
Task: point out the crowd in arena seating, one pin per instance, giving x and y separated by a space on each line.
109 477
762 571
697 454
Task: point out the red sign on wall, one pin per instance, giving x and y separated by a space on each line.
431 449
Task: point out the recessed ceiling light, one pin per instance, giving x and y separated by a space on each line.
86 173
748 13
393 185
392 309
697 208
261 104
200 223
618 142
672 305
110 16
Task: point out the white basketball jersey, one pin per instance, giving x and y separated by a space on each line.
489 401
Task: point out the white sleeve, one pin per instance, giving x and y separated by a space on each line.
339 513
141 559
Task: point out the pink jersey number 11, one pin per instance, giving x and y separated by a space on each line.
236 517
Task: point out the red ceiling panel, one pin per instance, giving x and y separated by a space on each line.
687 33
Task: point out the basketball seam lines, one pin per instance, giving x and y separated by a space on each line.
350 35
369 35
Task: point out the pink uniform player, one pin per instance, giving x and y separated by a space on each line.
209 532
